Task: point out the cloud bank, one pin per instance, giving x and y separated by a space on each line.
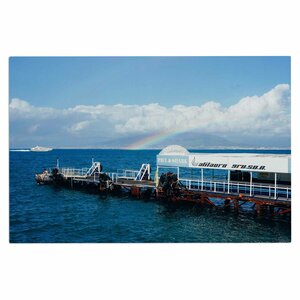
266 115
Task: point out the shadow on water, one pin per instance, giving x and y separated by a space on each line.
168 207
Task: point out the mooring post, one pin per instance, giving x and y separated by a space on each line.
202 199
135 191
236 204
258 209
227 202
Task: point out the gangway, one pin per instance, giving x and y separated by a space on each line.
95 168
144 173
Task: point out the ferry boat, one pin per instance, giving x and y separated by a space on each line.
40 149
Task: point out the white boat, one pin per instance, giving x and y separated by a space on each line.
40 149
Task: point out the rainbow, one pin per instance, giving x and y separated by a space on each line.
154 138
161 135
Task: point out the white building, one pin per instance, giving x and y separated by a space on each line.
267 174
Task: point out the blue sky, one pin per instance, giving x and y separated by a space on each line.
121 101
63 82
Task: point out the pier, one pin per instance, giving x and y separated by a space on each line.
238 179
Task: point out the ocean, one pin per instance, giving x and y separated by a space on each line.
49 214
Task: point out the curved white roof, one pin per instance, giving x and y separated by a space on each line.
174 150
177 156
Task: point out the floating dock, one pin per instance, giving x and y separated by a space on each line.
262 180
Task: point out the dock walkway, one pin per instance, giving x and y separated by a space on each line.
236 186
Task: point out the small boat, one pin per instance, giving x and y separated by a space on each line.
44 177
40 149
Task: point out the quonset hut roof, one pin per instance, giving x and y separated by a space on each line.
174 150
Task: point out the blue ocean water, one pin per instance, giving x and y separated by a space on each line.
48 214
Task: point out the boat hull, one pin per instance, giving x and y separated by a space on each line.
40 149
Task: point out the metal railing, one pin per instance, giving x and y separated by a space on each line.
257 189
69 172
144 172
84 173
127 174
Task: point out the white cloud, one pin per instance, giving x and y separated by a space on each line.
20 105
79 126
268 114
21 109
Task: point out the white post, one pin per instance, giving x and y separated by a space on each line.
178 173
57 163
149 172
228 181
156 179
275 190
202 179
250 183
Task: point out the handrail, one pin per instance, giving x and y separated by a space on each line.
141 173
130 174
238 187
73 171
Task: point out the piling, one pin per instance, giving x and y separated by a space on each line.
170 187
135 191
236 204
258 208
227 202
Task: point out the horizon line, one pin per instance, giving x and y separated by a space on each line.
159 148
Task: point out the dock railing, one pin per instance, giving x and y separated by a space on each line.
72 172
83 173
233 187
127 174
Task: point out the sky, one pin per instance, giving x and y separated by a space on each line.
144 102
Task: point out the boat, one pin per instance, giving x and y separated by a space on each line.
40 149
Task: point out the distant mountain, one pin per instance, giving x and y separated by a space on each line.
190 140
120 142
